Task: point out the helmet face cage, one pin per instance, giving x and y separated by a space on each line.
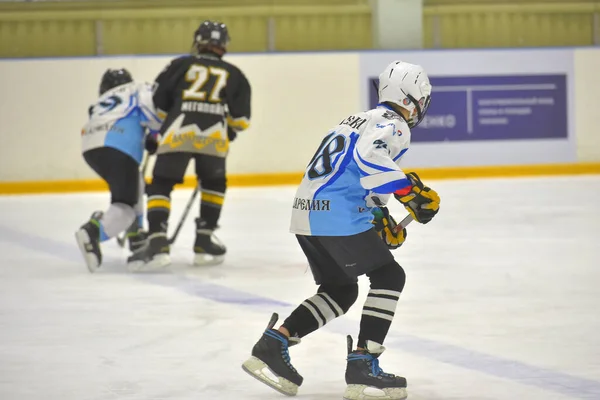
421 106
113 78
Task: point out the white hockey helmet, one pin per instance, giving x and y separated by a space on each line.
406 85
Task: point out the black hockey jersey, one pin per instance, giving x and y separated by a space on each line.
200 97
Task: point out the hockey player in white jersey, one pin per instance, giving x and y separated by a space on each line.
121 124
342 225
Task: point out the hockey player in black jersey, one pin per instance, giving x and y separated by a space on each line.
205 101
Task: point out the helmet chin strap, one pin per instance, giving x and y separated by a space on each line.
412 99
403 117
418 108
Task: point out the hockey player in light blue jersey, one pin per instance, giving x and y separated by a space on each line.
121 124
348 181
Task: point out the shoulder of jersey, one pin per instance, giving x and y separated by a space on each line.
183 58
144 86
381 117
231 67
121 89
176 62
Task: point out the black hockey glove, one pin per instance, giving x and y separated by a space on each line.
231 134
151 144
384 225
422 202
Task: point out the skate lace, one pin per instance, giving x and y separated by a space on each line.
376 369
285 354
372 361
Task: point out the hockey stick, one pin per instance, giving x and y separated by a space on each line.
121 239
404 223
186 211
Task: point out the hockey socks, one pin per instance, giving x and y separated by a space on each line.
330 302
377 315
378 311
211 203
158 209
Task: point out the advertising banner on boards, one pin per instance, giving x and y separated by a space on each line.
494 108
488 107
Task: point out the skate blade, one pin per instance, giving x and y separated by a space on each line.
254 367
135 266
82 238
159 261
364 392
205 260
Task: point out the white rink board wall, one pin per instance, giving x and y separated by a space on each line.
587 110
297 97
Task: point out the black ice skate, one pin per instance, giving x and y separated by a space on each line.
136 236
363 372
270 357
206 251
88 239
157 252
138 245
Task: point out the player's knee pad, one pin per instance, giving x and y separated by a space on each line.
339 298
391 276
160 187
218 185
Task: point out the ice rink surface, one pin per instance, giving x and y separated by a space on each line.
502 301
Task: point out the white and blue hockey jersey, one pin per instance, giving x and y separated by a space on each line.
119 120
357 161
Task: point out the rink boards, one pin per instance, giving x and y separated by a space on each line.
494 113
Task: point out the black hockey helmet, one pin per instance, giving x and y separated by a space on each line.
113 78
212 35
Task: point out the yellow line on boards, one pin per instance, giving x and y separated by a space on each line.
274 179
